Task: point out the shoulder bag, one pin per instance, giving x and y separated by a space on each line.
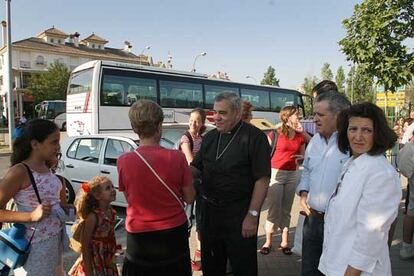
14 247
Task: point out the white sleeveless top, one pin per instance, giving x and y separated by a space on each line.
49 187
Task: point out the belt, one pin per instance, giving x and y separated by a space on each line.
220 203
319 215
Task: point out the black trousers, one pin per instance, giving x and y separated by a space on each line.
164 252
221 240
312 243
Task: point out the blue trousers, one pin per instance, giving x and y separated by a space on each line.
312 243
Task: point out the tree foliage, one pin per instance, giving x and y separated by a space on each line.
326 72
308 83
269 77
50 85
340 79
360 87
376 34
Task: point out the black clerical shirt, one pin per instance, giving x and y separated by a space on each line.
231 168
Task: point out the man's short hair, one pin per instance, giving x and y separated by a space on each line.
384 136
232 98
337 101
324 86
145 117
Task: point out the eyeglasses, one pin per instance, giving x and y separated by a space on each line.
59 155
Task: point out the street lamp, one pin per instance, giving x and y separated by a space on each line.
9 76
145 48
250 77
142 53
195 59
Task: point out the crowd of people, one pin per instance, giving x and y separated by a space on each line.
348 190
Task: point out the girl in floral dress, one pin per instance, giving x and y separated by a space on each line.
98 237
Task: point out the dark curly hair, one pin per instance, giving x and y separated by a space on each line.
384 137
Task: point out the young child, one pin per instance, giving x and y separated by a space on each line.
38 144
98 238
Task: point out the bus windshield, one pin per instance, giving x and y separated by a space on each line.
51 109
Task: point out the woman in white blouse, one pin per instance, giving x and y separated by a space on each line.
366 200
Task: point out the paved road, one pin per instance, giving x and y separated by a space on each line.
273 264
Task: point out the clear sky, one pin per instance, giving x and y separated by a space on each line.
241 37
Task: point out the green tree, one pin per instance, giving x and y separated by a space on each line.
308 83
376 34
326 72
269 77
50 85
340 79
360 87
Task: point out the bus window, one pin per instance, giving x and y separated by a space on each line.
60 107
124 91
258 98
180 94
280 100
81 82
213 90
141 89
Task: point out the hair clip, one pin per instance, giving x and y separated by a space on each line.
85 187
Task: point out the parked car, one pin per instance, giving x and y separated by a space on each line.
86 156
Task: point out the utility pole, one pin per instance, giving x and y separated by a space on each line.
9 77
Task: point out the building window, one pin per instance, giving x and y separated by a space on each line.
52 40
40 60
93 46
59 41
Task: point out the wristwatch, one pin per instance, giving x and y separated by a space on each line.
253 213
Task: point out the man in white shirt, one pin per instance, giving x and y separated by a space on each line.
322 165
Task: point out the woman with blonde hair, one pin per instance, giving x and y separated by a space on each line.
290 147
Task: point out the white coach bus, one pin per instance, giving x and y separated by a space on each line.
100 93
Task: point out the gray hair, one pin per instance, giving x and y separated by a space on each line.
337 101
232 98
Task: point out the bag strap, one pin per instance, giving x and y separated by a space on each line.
159 178
190 139
274 136
38 198
33 182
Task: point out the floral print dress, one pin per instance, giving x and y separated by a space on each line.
46 249
103 246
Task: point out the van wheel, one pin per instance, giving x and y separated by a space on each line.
64 127
70 193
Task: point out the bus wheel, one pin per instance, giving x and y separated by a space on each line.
64 127
70 193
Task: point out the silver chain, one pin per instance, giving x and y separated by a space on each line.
228 144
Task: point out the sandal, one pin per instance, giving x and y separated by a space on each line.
265 250
286 250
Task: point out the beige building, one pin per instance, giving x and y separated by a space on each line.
35 54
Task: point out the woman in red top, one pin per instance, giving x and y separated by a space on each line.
290 148
157 236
